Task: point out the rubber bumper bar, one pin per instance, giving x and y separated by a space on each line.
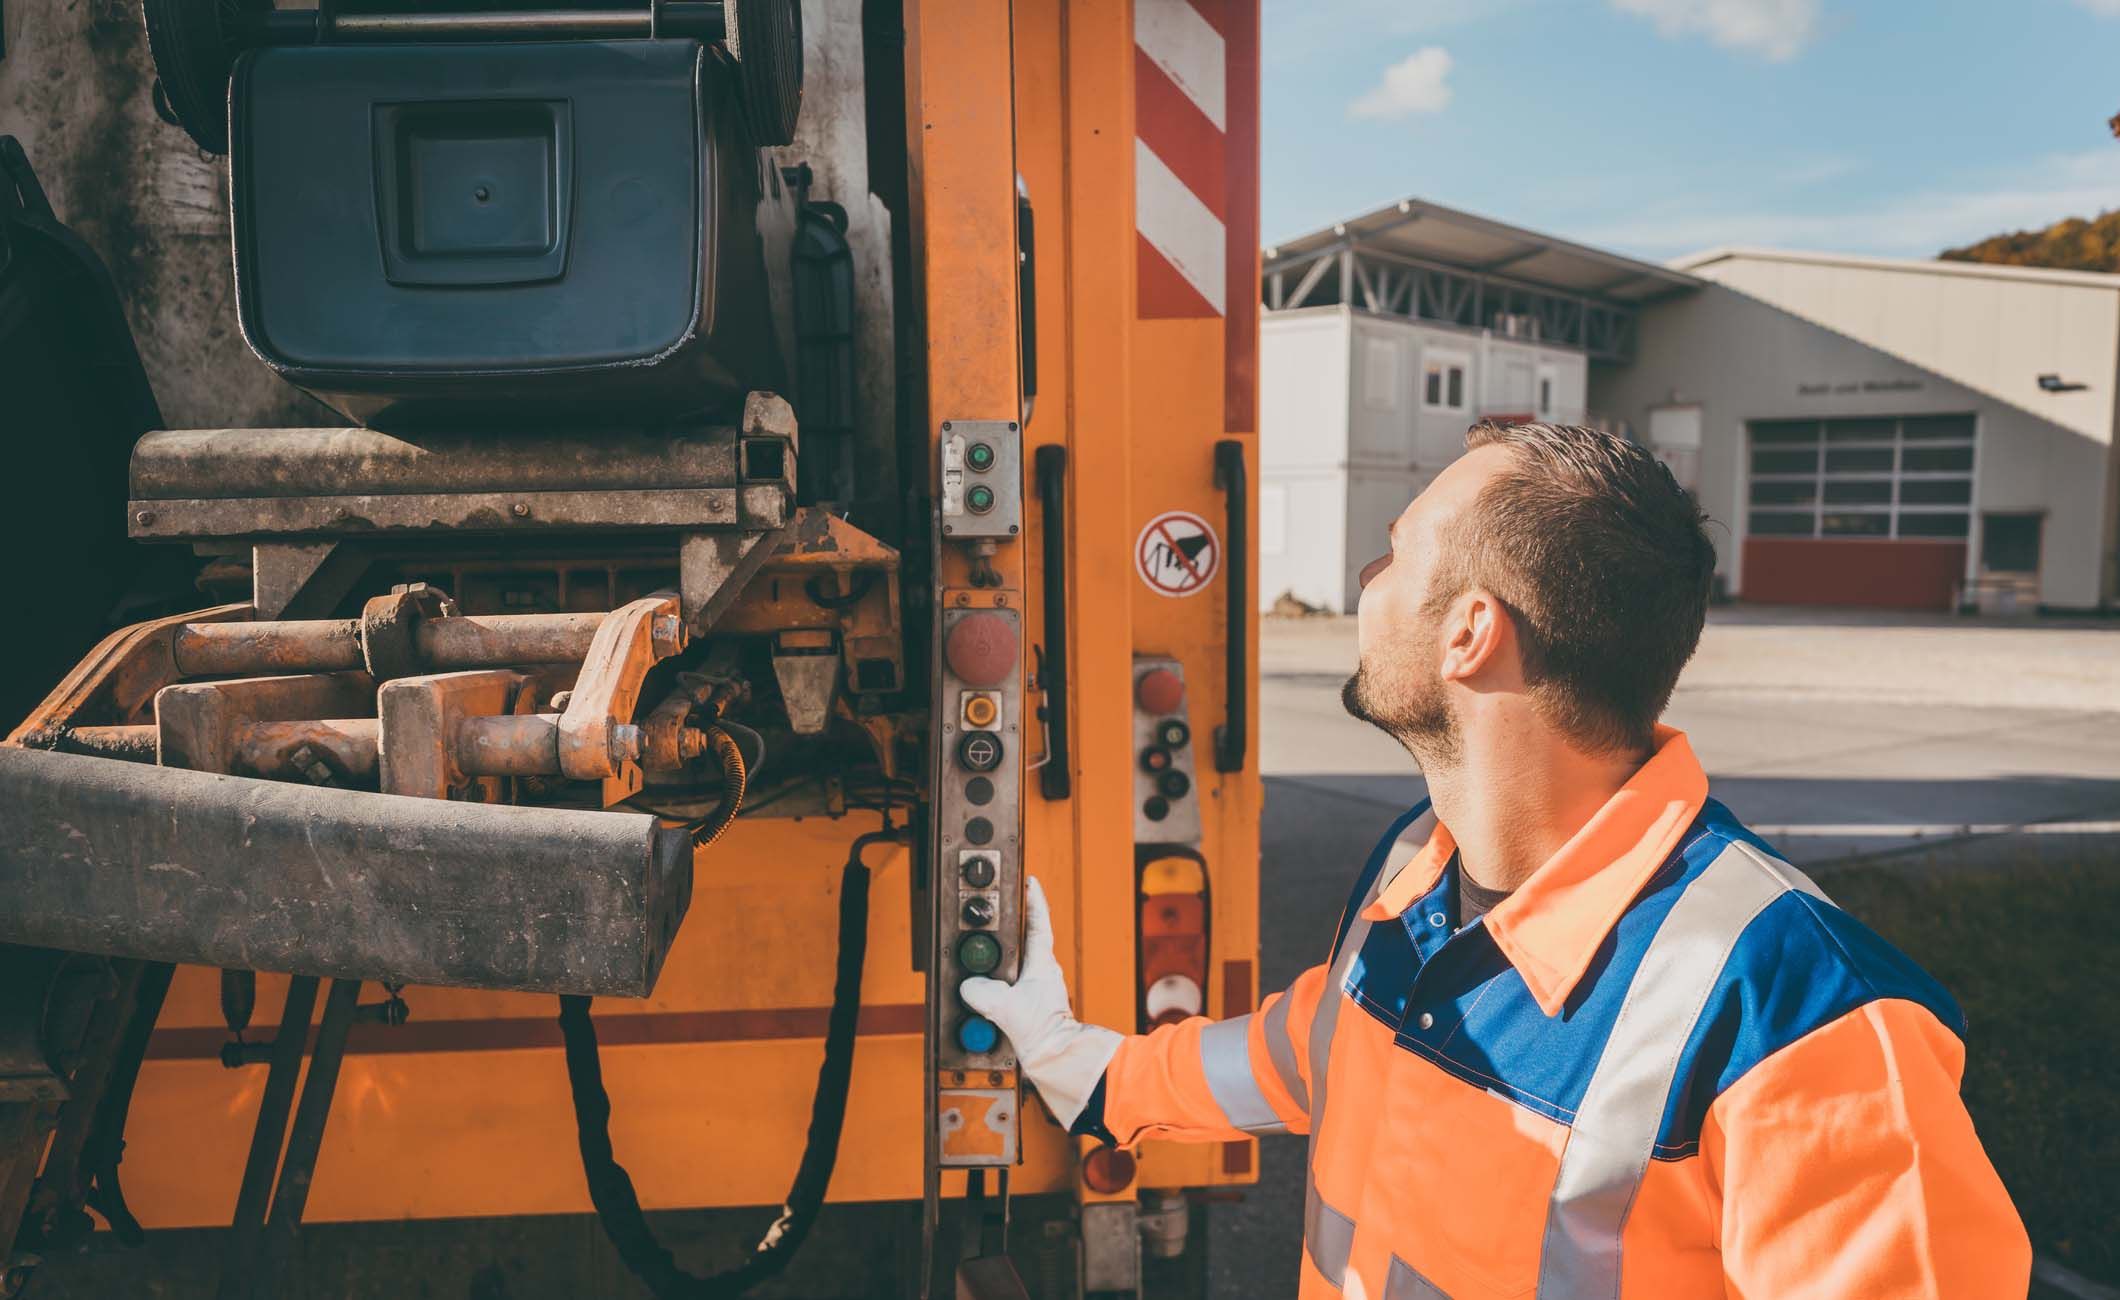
166 864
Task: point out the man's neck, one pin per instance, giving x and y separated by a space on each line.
1513 801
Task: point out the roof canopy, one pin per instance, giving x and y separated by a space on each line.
1429 232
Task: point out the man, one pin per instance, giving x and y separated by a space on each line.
1581 1034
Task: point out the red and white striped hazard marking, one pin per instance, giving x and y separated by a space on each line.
1196 174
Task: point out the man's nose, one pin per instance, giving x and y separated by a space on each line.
1372 569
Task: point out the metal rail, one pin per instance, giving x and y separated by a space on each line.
335 645
703 20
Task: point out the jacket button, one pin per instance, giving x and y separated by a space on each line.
1427 1020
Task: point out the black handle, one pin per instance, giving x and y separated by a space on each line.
1233 737
1027 296
1051 465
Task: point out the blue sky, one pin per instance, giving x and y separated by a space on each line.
1659 127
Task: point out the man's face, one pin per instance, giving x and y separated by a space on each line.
1396 685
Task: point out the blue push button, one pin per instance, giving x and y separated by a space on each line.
977 1035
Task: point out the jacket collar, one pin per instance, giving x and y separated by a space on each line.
1551 927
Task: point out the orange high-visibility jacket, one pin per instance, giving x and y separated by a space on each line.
1667 1066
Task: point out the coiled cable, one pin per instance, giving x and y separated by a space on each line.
611 1188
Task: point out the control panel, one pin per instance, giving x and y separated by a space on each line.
1166 795
977 878
982 479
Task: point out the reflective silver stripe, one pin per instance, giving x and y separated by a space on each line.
1328 1234
1405 847
1281 1050
1403 1283
1225 1055
1609 1144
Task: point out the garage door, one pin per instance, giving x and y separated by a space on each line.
1858 511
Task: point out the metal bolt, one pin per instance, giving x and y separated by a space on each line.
993 1078
625 743
1001 599
668 634
318 773
341 514
945 426
964 598
144 518
521 510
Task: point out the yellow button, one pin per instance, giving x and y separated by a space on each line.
980 710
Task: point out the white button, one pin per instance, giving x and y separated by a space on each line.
1437 918
1427 1020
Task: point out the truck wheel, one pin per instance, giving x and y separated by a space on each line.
765 37
194 48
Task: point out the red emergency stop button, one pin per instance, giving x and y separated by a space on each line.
981 649
1160 691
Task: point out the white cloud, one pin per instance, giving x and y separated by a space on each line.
1418 83
1774 29
1921 224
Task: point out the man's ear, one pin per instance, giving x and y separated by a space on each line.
1475 634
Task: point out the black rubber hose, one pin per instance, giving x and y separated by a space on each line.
735 779
106 1142
611 1189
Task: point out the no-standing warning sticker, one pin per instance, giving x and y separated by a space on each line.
1177 553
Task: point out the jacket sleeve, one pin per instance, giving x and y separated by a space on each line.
1848 1166
1204 1080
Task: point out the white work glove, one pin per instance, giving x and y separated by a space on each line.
1063 1056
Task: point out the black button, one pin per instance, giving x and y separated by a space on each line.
978 871
979 751
1174 784
1155 759
1155 808
979 791
979 912
1172 733
979 830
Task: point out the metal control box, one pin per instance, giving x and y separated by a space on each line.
982 479
1166 783
978 876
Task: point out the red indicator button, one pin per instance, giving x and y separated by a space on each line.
981 649
1160 691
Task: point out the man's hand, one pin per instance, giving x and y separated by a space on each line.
1063 1056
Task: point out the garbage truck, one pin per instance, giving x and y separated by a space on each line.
779 477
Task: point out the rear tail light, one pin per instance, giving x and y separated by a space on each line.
1173 936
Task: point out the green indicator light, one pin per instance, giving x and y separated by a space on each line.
980 457
980 499
979 953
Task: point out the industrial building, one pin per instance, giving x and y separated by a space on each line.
1861 431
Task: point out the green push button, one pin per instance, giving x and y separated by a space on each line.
979 953
980 457
980 499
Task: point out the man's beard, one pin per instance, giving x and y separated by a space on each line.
1415 712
